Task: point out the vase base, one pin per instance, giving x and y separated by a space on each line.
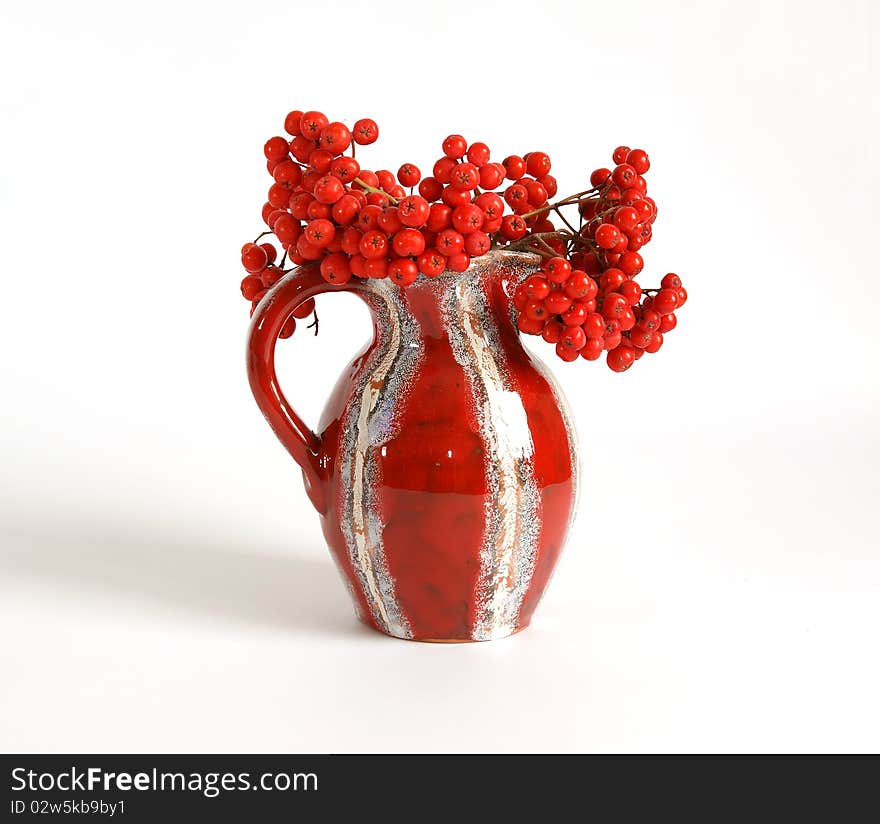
500 636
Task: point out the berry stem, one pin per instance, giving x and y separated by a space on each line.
565 220
527 244
549 251
523 244
375 190
566 201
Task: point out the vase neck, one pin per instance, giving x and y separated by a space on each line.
479 299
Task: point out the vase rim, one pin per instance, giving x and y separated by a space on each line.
477 265
511 256
478 268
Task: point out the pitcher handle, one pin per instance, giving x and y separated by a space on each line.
302 443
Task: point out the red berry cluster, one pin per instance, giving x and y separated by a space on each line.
324 207
585 298
259 262
569 308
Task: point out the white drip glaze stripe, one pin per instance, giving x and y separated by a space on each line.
565 411
368 423
509 550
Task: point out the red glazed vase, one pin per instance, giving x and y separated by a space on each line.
445 468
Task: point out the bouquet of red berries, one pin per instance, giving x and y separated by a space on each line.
325 208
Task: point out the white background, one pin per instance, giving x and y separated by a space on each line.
165 586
